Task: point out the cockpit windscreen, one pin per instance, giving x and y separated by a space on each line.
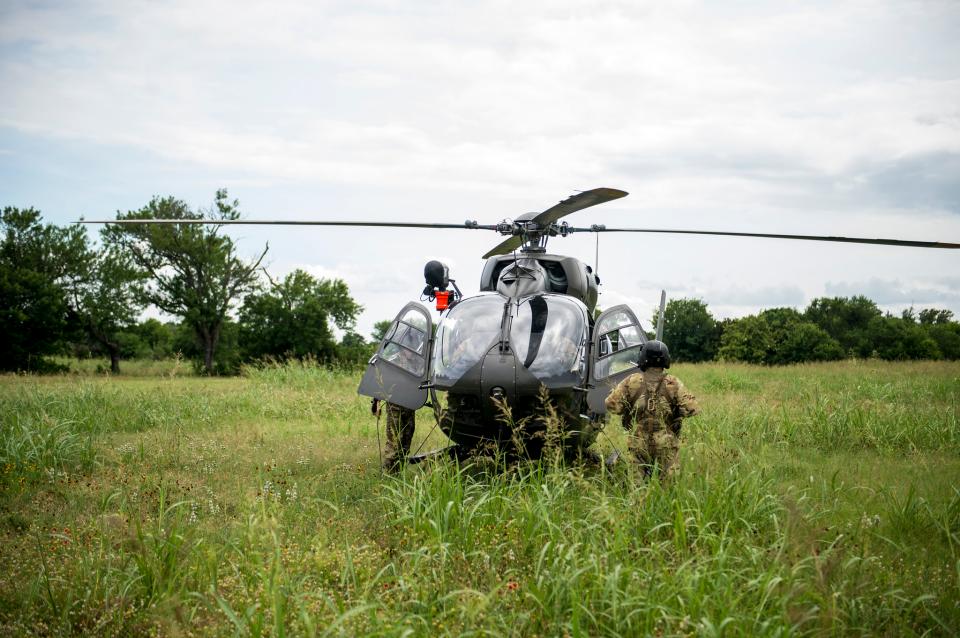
548 335
466 334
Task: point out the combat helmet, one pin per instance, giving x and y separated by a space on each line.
654 355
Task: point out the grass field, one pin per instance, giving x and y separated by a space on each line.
814 500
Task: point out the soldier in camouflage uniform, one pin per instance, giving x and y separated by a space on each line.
657 402
401 423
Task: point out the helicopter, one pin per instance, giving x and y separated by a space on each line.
531 341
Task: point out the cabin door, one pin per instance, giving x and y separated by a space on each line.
617 340
399 369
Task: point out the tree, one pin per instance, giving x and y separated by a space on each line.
293 318
795 340
380 330
932 316
106 300
37 264
895 338
846 320
194 271
155 338
689 330
947 337
781 320
227 359
805 341
747 339
354 349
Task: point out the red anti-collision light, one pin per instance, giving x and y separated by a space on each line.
443 300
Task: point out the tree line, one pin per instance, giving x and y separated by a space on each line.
830 328
62 295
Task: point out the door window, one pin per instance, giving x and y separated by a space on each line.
406 341
618 342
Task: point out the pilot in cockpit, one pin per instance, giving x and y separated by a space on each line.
466 345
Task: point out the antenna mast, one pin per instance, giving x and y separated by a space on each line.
596 256
663 306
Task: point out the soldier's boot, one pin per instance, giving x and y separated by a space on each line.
590 456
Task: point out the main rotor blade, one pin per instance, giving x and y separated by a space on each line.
506 246
572 204
846 240
285 222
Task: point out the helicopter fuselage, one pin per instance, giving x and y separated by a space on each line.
518 364
502 361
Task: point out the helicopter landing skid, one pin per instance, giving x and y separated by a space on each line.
612 459
451 451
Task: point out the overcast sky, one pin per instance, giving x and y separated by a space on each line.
814 118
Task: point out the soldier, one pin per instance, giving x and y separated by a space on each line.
401 423
657 402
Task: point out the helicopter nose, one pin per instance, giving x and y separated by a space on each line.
498 376
504 379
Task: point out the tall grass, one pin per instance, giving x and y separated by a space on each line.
813 500
170 367
34 447
844 406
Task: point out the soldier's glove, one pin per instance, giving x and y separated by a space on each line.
374 406
675 426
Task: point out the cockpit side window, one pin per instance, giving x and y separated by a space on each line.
405 342
619 343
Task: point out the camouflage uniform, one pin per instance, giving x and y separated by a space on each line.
401 422
657 402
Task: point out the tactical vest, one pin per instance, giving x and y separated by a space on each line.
653 408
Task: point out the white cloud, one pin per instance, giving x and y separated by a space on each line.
833 118
379 94
886 292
